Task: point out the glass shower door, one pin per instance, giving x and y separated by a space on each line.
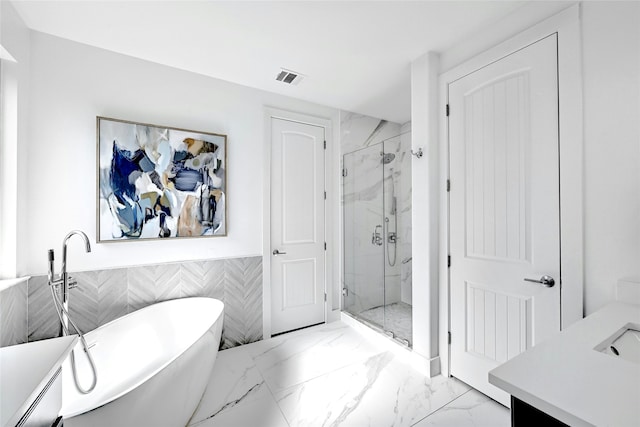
363 201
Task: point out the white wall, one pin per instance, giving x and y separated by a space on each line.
71 84
611 75
14 94
424 202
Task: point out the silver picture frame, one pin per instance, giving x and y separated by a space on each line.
159 182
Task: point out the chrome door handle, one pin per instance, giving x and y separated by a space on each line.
277 252
544 280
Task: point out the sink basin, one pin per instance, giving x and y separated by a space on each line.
624 344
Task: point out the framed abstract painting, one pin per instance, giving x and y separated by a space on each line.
159 182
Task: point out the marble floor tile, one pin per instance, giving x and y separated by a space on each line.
336 378
291 359
472 409
235 381
260 412
380 391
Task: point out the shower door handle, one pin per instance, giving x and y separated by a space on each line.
276 252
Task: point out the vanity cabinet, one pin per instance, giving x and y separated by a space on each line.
571 379
523 414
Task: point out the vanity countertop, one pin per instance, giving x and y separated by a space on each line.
25 370
574 383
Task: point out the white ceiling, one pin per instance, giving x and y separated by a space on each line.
356 55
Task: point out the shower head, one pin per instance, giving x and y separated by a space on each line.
388 158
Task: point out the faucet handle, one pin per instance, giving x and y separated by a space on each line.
72 283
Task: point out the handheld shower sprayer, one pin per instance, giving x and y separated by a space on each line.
64 282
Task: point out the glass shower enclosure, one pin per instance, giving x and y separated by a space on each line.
377 230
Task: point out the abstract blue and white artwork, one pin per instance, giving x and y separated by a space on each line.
159 182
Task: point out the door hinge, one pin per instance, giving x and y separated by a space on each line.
448 260
325 145
344 172
325 246
448 185
325 297
449 337
447 110
325 195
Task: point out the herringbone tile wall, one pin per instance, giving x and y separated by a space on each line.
105 295
13 315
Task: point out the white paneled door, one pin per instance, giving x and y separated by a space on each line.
504 211
297 225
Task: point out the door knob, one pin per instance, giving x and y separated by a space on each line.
277 252
544 280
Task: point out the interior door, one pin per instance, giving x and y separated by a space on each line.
504 211
297 225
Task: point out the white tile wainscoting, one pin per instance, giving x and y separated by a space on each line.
101 296
331 375
13 313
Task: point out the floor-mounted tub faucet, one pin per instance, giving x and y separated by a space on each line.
64 281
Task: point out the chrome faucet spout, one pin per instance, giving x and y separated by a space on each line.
64 247
64 277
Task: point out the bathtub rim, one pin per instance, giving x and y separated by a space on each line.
152 373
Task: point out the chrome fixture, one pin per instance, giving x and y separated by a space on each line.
277 252
406 260
376 237
403 341
392 236
388 158
65 280
62 285
544 280
418 153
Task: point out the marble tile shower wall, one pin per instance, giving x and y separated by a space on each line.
363 260
365 265
393 174
105 295
363 208
358 131
404 219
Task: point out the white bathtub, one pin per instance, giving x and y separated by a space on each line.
153 366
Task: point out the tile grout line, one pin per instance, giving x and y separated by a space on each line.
446 404
286 420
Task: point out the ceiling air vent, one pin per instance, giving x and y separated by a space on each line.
289 77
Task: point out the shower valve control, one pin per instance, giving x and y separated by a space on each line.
392 237
376 237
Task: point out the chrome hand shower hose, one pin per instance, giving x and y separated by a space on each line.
59 309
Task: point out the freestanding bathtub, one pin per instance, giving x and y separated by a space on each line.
153 366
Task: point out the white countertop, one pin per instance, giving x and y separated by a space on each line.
25 369
569 380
